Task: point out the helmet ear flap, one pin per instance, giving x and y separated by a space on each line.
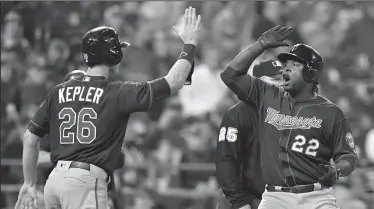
310 73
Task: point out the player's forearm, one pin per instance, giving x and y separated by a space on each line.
243 61
229 179
44 159
30 157
346 167
235 75
178 75
179 72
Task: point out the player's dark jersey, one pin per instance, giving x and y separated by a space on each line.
86 117
295 137
238 156
44 144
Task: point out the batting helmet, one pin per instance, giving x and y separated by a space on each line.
74 74
101 45
307 55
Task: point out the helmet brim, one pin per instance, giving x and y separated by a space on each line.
283 57
124 44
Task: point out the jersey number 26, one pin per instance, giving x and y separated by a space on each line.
299 145
66 136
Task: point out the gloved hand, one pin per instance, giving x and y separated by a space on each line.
331 176
274 37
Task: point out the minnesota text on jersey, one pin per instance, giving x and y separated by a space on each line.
282 121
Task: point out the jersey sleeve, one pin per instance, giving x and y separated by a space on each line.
39 125
343 142
44 144
229 158
249 89
140 96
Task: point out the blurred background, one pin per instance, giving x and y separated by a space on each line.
169 152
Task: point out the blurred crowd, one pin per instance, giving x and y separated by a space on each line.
40 43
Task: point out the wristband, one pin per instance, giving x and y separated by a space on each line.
188 53
262 42
189 77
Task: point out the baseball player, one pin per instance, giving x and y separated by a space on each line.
238 151
86 120
300 131
44 159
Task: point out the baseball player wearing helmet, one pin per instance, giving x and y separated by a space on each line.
86 120
300 131
238 149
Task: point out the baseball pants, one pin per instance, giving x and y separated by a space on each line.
225 204
76 188
320 199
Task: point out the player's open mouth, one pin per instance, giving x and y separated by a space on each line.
286 79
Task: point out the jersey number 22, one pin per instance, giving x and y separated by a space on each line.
299 143
66 136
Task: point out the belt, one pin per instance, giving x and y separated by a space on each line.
296 189
95 170
80 165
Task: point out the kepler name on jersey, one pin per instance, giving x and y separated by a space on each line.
79 93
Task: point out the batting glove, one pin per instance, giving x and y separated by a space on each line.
274 37
331 176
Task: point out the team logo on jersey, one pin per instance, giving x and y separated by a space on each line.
282 122
86 78
349 139
183 54
85 57
276 63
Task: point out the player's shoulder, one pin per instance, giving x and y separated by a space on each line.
326 102
64 84
115 83
236 108
127 83
333 108
240 110
56 87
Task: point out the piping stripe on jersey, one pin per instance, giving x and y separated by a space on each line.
151 100
250 91
96 202
346 155
37 125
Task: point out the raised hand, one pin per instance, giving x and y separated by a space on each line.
274 37
189 32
